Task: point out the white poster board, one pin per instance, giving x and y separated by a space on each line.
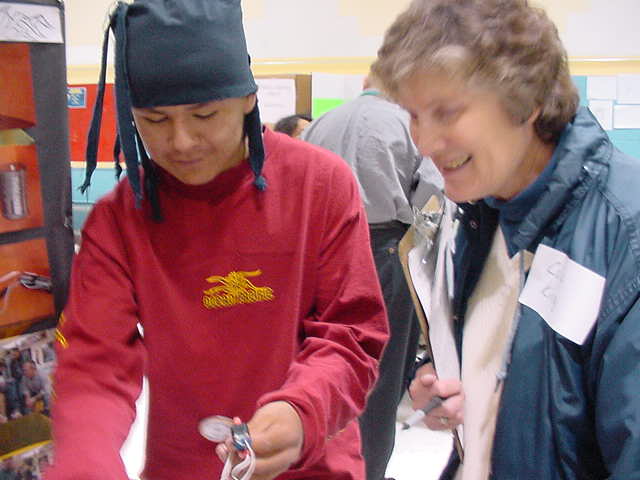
276 98
21 22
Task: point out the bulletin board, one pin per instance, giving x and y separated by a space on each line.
609 87
323 82
36 241
611 90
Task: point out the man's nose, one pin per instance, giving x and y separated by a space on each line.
183 137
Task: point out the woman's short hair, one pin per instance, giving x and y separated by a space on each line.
505 45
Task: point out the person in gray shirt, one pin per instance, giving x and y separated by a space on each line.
33 389
372 135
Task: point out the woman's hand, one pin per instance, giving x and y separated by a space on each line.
425 386
276 438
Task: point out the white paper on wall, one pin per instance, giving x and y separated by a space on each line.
276 98
626 116
353 86
327 85
602 87
337 86
629 88
603 111
21 22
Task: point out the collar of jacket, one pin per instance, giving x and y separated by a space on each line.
583 153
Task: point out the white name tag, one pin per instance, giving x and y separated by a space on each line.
564 293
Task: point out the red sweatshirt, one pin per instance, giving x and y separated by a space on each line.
245 297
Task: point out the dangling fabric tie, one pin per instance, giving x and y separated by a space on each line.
253 129
150 181
126 138
93 138
126 127
116 157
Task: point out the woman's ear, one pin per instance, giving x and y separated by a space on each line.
250 103
534 116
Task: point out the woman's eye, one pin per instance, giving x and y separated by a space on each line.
447 114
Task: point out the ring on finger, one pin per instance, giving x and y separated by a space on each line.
444 421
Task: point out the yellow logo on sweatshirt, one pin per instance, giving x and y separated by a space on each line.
59 335
235 288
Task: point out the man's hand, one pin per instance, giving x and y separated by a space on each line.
425 386
276 438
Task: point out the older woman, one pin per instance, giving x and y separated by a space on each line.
547 279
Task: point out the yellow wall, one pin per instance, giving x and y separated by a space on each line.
86 20
89 74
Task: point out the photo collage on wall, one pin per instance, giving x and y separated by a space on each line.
25 403
31 54
25 280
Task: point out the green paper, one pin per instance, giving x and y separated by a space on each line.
321 106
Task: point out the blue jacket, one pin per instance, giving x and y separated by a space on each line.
570 411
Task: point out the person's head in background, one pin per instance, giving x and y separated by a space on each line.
30 369
292 125
192 112
43 463
488 88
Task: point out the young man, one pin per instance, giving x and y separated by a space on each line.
241 265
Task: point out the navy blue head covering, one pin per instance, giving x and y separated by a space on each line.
173 52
